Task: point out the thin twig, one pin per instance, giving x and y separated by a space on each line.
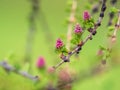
58 64
9 68
71 21
112 41
44 24
31 31
117 26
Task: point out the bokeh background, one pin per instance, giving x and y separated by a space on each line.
14 26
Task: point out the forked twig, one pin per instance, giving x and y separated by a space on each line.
66 58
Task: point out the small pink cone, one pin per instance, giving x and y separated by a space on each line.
40 62
86 15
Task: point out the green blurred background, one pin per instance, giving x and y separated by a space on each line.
14 27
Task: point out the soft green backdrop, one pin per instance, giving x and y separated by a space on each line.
13 33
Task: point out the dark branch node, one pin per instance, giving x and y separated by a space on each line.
98 24
94 32
101 14
103 8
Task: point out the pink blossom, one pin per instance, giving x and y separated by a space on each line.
40 62
59 43
78 29
86 15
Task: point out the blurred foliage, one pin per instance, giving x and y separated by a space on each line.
13 33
